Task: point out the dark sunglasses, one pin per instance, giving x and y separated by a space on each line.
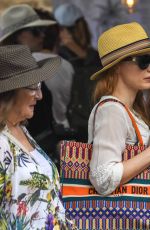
142 61
36 31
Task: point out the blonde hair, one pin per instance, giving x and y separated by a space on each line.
6 104
6 101
106 85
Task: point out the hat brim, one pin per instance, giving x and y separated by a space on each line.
135 53
46 69
35 23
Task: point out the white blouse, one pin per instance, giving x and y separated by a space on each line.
112 130
30 193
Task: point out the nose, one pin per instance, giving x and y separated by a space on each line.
39 94
148 68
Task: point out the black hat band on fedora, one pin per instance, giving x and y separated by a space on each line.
135 46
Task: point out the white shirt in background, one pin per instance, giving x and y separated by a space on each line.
60 87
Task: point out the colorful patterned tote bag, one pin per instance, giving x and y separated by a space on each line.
127 208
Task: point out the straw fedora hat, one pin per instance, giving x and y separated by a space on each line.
19 69
120 42
18 17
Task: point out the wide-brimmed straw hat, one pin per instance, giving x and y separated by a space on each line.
20 16
120 42
19 69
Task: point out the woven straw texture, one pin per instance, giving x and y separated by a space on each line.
119 42
19 69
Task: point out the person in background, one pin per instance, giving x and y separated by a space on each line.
75 46
121 114
30 196
61 93
21 24
100 15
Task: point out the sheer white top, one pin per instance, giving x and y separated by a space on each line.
112 130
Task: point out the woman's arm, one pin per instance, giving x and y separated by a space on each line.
112 130
134 166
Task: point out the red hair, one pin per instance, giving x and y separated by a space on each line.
106 84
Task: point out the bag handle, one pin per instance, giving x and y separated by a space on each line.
137 131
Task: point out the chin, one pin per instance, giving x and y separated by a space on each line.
29 116
146 87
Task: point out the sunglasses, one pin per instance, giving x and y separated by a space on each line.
34 87
36 31
142 62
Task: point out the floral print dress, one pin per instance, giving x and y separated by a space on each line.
30 196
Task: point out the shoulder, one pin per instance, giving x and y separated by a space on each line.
66 65
110 111
111 108
111 105
109 116
113 114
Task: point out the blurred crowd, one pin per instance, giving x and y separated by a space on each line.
67 97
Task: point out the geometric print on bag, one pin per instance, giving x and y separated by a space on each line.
128 211
109 218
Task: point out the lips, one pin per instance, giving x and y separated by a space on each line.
32 106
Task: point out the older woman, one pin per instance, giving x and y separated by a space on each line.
29 182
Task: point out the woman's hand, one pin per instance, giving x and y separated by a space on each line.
68 41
